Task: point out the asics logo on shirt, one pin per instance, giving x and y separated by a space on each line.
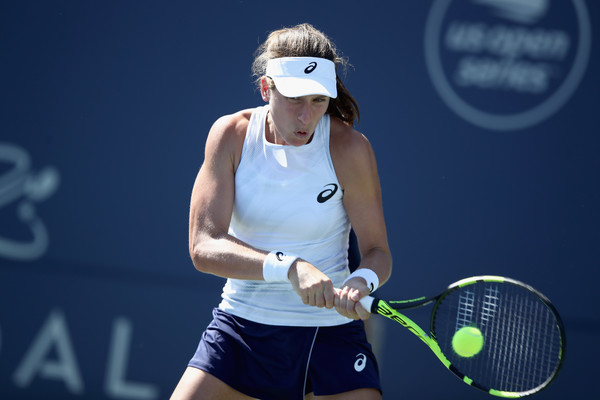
360 363
311 67
328 193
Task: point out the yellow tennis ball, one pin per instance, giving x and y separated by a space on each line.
467 341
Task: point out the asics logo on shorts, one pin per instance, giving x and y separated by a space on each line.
360 363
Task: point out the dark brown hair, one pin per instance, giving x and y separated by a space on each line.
305 40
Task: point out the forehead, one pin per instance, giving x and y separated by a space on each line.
307 97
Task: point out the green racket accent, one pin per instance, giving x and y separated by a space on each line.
506 395
382 308
525 341
401 302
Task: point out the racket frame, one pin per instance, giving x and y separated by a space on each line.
390 309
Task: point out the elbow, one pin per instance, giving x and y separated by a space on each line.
206 252
199 257
391 265
388 262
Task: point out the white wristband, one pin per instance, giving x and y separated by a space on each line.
276 266
368 275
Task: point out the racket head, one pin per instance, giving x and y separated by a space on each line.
524 341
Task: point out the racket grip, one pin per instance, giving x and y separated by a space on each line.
366 301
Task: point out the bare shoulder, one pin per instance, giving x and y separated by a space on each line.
231 126
345 137
351 151
226 136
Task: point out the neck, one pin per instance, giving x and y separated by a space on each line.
270 130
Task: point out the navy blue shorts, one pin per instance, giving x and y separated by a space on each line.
281 362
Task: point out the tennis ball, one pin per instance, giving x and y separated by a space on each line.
467 341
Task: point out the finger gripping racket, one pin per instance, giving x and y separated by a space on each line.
496 334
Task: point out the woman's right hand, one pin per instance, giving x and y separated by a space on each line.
313 286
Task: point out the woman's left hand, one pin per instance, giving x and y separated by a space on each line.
347 299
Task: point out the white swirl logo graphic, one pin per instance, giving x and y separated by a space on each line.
360 363
21 184
507 64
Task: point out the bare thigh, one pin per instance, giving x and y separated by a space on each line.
359 394
196 384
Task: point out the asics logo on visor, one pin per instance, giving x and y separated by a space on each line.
311 67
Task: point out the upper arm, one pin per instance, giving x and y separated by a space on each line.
213 193
356 167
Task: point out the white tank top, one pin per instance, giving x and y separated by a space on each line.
287 198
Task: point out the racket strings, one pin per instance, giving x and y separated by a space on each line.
490 304
464 314
522 341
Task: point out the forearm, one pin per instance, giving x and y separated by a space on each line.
379 260
225 256
228 257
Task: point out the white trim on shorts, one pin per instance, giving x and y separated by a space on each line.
308 361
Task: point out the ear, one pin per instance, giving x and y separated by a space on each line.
265 90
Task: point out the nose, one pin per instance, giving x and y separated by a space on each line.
305 114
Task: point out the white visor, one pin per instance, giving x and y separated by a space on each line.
303 76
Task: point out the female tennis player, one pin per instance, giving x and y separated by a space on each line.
271 211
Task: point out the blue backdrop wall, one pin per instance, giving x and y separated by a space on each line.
483 115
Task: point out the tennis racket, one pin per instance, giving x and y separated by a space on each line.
524 339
